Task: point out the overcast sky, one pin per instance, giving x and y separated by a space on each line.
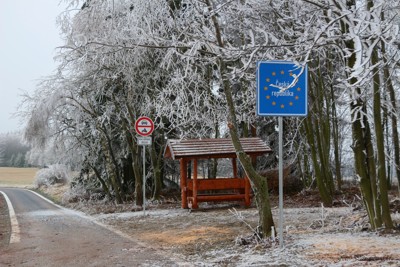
28 38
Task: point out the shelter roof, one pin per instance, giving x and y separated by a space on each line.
213 148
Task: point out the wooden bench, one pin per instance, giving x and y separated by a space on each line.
219 189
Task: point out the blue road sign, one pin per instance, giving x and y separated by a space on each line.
281 89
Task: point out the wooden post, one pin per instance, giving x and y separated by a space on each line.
247 187
235 174
195 205
183 165
234 167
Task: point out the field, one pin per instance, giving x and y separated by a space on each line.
20 177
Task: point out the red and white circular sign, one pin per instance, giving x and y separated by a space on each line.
144 126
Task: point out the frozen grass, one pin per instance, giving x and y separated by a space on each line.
214 237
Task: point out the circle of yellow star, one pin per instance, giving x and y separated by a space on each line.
291 103
268 97
290 73
282 106
267 80
282 72
265 88
273 73
298 89
273 103
297 97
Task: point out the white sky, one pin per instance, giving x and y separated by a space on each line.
28 38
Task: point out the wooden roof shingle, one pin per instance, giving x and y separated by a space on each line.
213 148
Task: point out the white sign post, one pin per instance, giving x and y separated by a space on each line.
144 126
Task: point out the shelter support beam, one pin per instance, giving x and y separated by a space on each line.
183 167
195 205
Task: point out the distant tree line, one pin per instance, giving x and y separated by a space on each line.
12 151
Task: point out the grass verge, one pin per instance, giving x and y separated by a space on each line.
5 224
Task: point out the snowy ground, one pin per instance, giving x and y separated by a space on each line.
221 236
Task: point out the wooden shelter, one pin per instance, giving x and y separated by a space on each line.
195 190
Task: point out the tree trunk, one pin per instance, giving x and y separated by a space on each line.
325 194
336 138
318 132
138 175
393 112
135 150
112 172
156 160
102 182
380 144
371 170
259 182
137 178
361 161
362 141
213 163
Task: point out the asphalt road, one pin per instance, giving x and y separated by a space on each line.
48 235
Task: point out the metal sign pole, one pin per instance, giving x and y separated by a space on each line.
144 180
280 122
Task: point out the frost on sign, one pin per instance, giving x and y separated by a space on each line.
281 89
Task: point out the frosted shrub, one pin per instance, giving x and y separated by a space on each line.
84 187
75 193
54 174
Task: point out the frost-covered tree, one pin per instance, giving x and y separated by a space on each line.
363 31
190 65
107 39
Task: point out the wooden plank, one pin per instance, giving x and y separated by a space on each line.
205 198
217 184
